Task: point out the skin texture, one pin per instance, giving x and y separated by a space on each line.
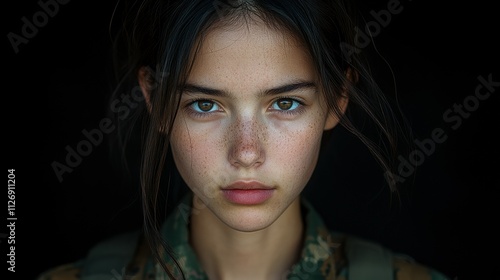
248 136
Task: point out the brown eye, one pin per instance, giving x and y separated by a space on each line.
204 105
285 104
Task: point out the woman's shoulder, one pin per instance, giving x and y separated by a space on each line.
365 259
111 258
354 257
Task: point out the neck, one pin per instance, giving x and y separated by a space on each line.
225 253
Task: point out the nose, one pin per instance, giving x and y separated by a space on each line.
246 148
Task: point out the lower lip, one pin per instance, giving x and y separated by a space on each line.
248 197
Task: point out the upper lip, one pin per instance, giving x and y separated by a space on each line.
247 185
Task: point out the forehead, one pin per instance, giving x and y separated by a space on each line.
250 54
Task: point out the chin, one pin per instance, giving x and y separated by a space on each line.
248 220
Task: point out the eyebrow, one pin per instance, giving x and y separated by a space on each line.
273 91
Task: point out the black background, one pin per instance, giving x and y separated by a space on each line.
57 85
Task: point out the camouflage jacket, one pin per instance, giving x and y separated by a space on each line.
325 255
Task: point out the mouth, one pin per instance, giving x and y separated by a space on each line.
247 192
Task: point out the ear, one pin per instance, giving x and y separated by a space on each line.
144 78
333 119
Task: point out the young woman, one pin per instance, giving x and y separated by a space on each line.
238 99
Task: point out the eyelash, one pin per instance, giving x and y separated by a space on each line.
295 111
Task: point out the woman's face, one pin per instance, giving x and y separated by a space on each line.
247 135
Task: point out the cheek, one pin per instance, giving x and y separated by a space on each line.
296 152
180 143
194 151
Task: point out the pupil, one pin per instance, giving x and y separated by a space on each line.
205 105
285 104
